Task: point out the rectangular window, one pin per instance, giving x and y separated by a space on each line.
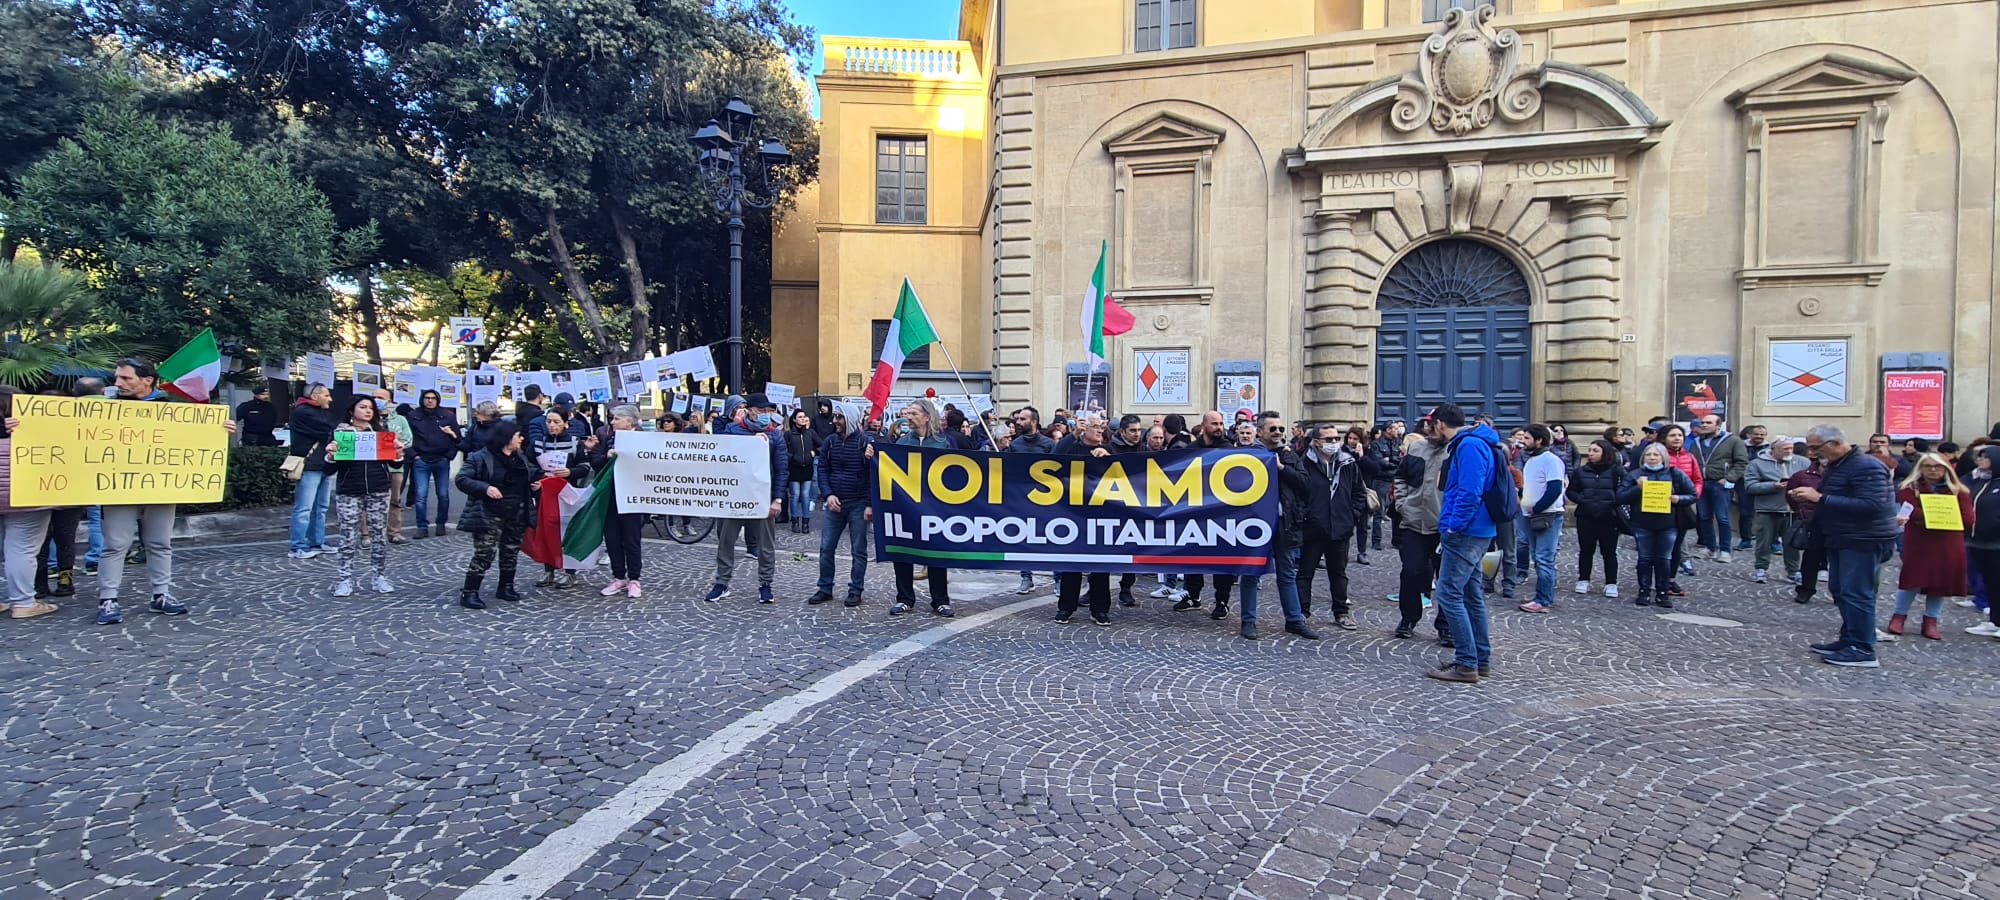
918 360
900 167
1434 10
1163 25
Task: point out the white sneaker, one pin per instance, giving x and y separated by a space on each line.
1611 591
1984 629
1700 553
1722 557
1161 593
383 585
1967 603
1583 587
1027 585
343 588
1177 595
1758 576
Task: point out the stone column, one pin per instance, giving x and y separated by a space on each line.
1339 324
1582 329
1012 225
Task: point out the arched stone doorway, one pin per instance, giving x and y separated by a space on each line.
1454 329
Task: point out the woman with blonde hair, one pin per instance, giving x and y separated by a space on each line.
1933 551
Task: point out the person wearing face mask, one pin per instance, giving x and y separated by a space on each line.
1335 506
757 416
1416 539
1655 532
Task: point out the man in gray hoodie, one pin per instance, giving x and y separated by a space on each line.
1765 481
845 474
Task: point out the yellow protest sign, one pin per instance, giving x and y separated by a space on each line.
1942 513
1656 496
79 451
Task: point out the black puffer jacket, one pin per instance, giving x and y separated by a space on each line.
1336 499
1857 507
513 474
358 477
1595 490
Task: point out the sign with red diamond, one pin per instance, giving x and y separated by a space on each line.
1808 372
1160 377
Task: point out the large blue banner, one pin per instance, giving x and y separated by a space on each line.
1180 511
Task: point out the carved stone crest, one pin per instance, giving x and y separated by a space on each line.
1465 74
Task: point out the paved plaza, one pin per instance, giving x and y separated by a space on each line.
278 743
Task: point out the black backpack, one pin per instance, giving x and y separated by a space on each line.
1503 502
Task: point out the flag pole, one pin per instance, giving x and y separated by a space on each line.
954 372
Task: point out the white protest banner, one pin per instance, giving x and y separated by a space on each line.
367 378
319 369
281 371
406 388
426 378
720 476
694 362
449 387
632 381
596 385
482 385
568 381
781 394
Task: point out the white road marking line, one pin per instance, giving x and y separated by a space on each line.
546 864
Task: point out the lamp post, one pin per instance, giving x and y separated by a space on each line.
723 144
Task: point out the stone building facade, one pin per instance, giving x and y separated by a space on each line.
1570 211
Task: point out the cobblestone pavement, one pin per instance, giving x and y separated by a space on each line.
280 743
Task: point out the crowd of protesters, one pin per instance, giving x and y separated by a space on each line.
1470 514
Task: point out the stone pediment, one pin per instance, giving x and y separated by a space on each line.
1165 132
1830 79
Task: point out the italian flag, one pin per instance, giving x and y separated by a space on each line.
1101 314
569 526
194 371
909 332
364 445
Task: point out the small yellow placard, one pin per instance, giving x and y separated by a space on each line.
1656 496
1942 513
81 451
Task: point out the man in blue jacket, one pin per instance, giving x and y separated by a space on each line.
845 474
757 416
1857 518
1465 530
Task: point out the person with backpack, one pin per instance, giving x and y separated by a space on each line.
1477 491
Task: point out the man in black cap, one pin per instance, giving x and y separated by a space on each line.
759 417
259 417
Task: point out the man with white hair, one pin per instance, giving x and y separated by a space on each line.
1857 519
1765 483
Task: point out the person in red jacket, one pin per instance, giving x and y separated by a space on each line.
1933 551
1674 438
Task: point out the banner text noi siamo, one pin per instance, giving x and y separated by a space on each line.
1180 511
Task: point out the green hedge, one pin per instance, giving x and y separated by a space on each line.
253 482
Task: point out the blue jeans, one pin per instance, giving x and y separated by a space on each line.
801 495
1543 544
1511 539
1656 558
309 503
433 476
94 522
1712 515
1851 575
1459 599
1933 605
1288 588
850 519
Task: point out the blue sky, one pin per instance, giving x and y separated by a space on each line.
877 18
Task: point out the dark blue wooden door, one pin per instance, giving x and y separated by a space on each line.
1454 330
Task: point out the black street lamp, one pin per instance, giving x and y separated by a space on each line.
724 169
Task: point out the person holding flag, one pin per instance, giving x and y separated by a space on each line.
196 368
358 460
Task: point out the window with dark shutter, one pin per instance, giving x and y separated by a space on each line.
918 360
901 164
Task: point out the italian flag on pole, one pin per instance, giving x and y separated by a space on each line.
194 371
909 332
1101 314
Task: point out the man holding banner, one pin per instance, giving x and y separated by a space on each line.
845 472
757 416
150 523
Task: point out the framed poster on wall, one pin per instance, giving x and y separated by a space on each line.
1699 393
1160 377
1913 404
1808 372
1087 391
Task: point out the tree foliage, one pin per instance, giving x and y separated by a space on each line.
179 228
46 314
547 140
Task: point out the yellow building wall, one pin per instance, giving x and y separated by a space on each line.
1242 23
795 294
1047 30
873 88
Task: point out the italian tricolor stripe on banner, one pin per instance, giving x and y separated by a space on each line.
364 445
1094 558
909 331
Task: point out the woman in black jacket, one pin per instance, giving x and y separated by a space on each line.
801 448
499 483
1596 486
361 491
